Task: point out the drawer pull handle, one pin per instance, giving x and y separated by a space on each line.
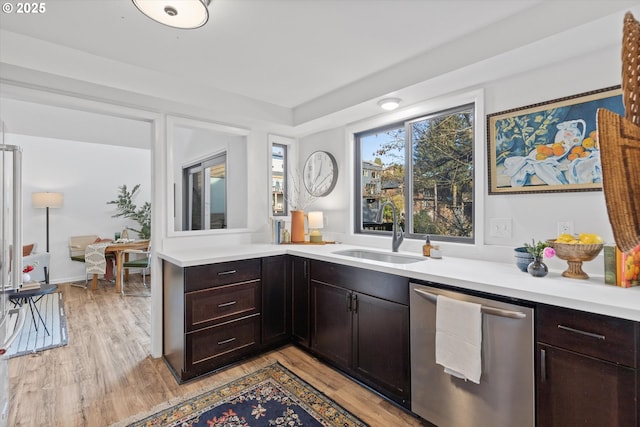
226 304
226 341
543 365
224 273
578 331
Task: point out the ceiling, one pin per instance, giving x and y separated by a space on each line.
293 60
283 52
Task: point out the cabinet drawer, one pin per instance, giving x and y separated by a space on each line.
220 304
595 335
207 276
213 347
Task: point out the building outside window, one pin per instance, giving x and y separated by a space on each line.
278 179
425 167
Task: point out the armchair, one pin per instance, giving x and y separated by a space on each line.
39 261
78 245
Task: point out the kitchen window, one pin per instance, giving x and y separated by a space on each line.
425 167
279 180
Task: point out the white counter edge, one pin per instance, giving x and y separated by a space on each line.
500 279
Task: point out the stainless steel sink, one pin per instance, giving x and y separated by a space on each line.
391 258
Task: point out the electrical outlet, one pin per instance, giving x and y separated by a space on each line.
565 227
500 227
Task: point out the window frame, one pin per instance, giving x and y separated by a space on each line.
408 202
285 178
426 109
201 166
358 178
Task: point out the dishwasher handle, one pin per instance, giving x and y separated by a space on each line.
484 308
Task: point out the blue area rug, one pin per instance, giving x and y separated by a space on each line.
271 396
32 340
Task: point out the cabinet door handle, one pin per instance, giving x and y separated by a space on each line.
226 341
349 301
224 273
305 269
543 365
226 304
578 331
354 303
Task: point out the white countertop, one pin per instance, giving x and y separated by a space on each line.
502 279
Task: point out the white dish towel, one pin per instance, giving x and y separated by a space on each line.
459 338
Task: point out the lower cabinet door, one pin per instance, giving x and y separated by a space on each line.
332 319
381 334
276 301
300 301
212 347
579 390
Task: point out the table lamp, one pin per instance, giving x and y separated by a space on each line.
316 221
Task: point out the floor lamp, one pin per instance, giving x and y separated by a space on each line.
47 200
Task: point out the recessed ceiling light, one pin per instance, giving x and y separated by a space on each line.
389 103
185 14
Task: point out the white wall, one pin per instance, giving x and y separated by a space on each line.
89 176
532 215
336 204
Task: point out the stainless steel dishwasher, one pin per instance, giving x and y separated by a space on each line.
505 395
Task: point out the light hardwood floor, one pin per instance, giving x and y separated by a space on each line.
105 374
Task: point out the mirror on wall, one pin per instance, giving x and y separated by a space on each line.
205 186
208 163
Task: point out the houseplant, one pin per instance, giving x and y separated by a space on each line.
127 209
537 268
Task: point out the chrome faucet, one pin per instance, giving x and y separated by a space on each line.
397 234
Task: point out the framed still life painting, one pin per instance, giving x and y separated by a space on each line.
549 147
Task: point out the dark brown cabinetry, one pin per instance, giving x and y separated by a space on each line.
276 301
587 369
300 296
212 315
358 320
381 348
360 323
332 321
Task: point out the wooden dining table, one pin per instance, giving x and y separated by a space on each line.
116 249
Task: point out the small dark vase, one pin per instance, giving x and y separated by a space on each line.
537 268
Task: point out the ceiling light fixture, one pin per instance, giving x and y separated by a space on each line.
389 103
185 14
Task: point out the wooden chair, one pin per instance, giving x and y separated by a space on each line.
77 249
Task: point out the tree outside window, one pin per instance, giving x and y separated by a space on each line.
434 166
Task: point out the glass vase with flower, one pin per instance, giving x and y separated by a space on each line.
26 277
538 250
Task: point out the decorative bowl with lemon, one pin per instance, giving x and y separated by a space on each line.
576 250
